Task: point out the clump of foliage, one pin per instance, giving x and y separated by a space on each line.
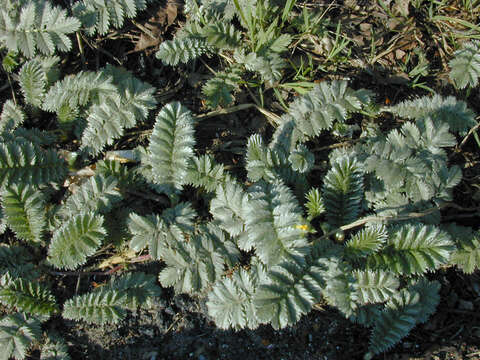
261 251
33 27
257 48
374 275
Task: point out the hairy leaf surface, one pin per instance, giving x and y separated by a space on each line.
24 209
171 146
78 238
22 161
26 296
273 218
413 249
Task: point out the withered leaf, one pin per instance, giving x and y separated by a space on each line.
153 29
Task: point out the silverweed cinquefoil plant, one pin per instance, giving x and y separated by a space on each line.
260 250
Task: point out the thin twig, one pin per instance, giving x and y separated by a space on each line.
78 283
228 59
80 47
176 319
141 259
470 132
219 112
117 268
392 47
274 117
412 215
144 29
226 111
102 50
337 145
208 67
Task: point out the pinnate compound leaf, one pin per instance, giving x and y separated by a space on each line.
467 254
228 207
465 66
413 249
136 289
55 348
98 194
33 135
375 286
17 332
290 289
78 238
271 164
314 204
273 218
100 16
204 172
222 35
407 308
269 66
341 286
26 296
111 115
34 27
98 307
193 266
78 90
24 209
126 177
230 302
218 90
16 261
366 242
148 231
157 232
106 122
343 191
325 103
108 304
22 161
182 50
12 116
137 96
258 163
441 109
467 257
171 147
33 81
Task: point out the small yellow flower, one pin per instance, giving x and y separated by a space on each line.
303 227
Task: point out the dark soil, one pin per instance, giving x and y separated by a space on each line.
175 327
